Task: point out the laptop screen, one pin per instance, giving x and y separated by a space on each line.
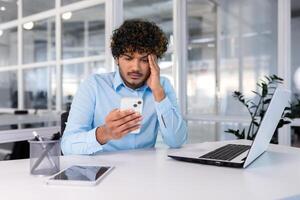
268 125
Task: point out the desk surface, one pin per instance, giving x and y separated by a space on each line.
150 174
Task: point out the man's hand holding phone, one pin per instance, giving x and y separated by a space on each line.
117 124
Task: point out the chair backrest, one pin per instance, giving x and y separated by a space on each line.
21 112
63 120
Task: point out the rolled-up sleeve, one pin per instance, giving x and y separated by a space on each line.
172 126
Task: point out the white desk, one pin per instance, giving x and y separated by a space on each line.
150 174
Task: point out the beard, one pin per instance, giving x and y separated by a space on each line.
134 79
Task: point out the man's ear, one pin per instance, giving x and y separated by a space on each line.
117 61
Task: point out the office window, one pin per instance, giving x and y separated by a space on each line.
295 65
166 64
8 89
31 7
8 11
82 37
248 49
66 2
8 47
96 67
204 131
248 52
39 88
160 12
83 32
201 80
39 41
74 74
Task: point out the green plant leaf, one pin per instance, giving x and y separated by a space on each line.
254 106
289 115
256 93
236 133
264 90
262 113
269 79
259 85
277 78
256 123
267 101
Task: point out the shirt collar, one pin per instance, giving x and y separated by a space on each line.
118 81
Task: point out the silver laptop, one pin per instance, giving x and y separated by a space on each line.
239 155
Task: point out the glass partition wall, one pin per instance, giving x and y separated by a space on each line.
295 66
49 48
228 50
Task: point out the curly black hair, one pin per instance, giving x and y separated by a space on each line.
138 36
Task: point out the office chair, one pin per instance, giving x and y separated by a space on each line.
63 119
20 149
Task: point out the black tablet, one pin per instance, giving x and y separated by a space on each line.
80 175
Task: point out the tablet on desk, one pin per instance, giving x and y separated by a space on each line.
80 175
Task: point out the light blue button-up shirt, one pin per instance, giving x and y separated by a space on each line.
99 95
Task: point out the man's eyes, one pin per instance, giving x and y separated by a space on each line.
143 60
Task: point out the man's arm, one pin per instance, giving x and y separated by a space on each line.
79 135
172 126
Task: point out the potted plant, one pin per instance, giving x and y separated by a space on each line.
258 105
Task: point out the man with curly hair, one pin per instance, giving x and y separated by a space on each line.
96 124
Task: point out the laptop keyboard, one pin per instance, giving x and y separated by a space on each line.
227 152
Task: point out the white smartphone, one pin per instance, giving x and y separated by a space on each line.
133 103
80 175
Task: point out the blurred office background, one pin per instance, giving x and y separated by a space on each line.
48 47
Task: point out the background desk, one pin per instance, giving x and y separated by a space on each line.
150 174
50 121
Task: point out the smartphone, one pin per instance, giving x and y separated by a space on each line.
80 175
133 103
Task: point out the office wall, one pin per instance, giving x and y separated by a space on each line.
28 43
248 42
247 51
295 58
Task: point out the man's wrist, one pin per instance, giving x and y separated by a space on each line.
159 94
101 135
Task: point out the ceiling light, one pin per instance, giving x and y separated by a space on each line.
67 15
28 25
2 8
1 33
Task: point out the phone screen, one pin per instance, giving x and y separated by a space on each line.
82 173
